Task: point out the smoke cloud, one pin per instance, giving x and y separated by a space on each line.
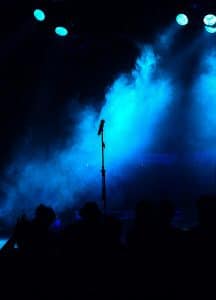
134 107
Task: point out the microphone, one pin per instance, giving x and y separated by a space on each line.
101 127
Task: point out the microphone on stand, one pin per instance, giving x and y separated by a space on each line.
101 127
103 171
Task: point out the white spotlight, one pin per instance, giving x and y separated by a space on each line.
182 19
209 20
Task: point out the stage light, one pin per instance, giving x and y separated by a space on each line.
182 19
61 31
210 29
39 15
209 20
2 243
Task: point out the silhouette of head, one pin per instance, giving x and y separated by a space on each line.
44 215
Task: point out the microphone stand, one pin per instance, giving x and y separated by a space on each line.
103 172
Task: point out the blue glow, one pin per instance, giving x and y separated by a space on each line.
182 19
210 29
61 31
57 225
205 104
3 242
134 107
209 20
39 15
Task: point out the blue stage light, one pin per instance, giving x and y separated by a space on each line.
209 20
2 243
61 31
210 29
39 15
182 19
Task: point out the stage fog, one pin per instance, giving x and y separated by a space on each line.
159 136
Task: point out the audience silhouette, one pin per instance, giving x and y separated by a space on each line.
154 260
